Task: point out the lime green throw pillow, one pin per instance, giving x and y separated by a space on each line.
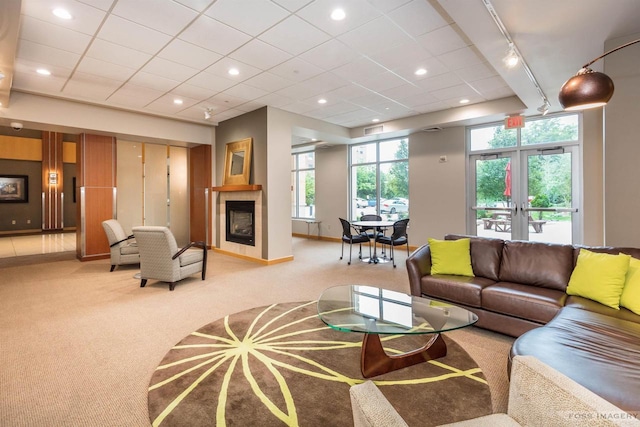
630 297
599 277
451 257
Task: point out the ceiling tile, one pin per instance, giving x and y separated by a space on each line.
417 99
222 67
45 55
165 104
86 19
402 91
275 100
299 107
195 92
292 5
104 69
188 54
300 91
25 77
359 70
430 107
213 35
226 100
439 82
245 92
134 96
211 82
269 82
382 82
330 55
327 82
296 69
476 72
442 40
332 109
488 84
455 92
348 92
90 87
461 58
169 69
358 12
153 82
250 16
293 35
197 5
132 35
250 106
410 54
375 36
417 17
260 55
110 52
165 16
386 6
47 34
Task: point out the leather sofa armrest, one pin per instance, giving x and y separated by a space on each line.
418 265
371 409
540 395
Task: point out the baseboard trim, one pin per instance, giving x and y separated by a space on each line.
256 260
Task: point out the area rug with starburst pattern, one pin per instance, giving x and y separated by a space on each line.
280 365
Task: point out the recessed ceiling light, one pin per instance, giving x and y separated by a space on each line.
62 13
234 71
464 101
1 75
177 101
375 120
313 139
43 72
322 101
338 15
420 72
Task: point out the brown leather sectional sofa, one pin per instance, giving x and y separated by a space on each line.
519 290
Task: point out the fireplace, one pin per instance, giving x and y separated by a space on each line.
240 219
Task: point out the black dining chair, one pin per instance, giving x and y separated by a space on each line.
398 238
349 237
372 232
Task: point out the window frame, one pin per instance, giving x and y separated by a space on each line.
296 169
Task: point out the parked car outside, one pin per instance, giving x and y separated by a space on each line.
396 204
361 203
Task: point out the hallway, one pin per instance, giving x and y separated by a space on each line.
14 246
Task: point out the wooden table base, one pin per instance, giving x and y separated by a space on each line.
375 361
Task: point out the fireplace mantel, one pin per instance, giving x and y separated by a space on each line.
254 187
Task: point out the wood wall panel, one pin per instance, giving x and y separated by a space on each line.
52 193
200 180
69 152
96 176
16 148
98 207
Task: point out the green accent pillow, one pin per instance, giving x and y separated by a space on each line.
451 257
630 297
599 277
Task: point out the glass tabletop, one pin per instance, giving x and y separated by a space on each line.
360 308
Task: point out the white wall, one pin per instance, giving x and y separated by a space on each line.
622 146
436 190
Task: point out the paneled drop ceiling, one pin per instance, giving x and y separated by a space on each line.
143 55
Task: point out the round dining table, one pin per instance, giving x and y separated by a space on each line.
375 225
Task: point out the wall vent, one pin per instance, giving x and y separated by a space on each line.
432 129
373 129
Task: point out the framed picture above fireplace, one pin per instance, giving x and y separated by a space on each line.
237 166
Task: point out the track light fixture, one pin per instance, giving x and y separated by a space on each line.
512 58
544 108
207 113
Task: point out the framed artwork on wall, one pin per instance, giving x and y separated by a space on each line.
14 189
237 164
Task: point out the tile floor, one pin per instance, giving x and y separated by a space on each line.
36 244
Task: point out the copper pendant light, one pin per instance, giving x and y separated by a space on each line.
588 88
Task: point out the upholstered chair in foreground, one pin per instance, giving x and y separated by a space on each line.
162 259
538 396
123 248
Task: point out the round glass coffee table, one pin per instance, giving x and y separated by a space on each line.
374 311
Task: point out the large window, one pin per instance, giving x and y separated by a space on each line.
303 185
380 179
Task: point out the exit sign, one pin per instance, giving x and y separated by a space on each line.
513 122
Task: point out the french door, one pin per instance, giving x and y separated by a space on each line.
526 194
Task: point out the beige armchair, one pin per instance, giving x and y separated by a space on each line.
161 259
538 396
123 248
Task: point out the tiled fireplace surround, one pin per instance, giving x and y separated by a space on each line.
237 248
